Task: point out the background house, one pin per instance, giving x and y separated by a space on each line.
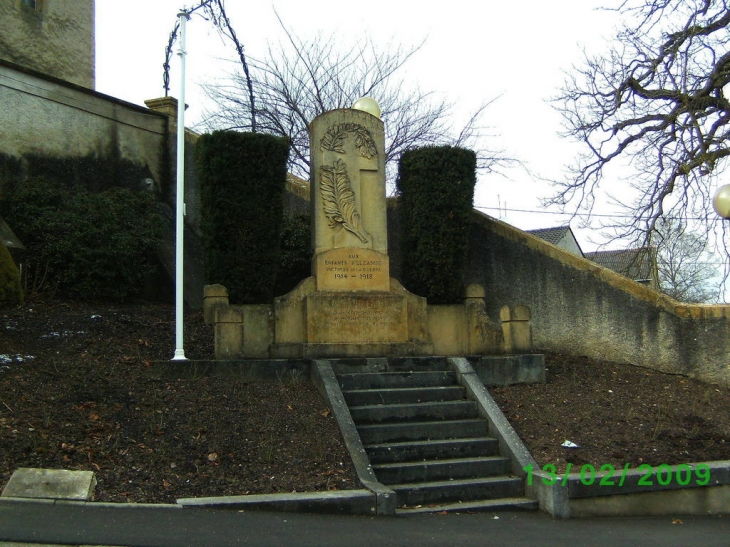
562 236
637 264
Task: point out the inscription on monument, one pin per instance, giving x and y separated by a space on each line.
341 318
353 269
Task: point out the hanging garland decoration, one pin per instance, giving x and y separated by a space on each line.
217 14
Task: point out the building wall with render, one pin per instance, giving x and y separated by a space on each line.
54 37
45 119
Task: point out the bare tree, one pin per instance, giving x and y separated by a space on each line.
301 79
686 270
656 102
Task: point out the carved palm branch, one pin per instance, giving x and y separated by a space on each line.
339 199
334 139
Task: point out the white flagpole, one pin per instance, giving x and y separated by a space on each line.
180 201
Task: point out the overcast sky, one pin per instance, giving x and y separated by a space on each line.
474 51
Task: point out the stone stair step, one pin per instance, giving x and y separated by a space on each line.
371 380
442 410
439 470
424 493
360 397
421 431
417 363
501 504
432 449
402 364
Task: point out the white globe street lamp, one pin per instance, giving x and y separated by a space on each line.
369 105
721 201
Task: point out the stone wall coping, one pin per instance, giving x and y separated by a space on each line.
616 280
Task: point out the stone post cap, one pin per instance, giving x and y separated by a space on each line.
165 105
475 290
213 291
518 313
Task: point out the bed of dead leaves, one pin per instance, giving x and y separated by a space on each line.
617 414
78 390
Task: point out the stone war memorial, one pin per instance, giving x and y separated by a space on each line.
350 306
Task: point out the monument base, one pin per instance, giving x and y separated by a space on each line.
317 351
307 324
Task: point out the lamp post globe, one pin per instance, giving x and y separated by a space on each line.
721 201
369 105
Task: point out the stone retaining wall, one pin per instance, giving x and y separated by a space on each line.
581 308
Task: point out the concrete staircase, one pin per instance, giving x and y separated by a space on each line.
425 439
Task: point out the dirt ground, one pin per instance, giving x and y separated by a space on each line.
618 414
78 391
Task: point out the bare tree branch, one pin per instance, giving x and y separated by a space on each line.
655 100
299 80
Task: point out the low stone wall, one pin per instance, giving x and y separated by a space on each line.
580 308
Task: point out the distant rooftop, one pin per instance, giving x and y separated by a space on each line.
636 264
562 236
551 235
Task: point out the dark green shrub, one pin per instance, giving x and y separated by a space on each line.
10 292
296 253
436 187
87 246
242 182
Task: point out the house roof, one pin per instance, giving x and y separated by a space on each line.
551 235
633 263
562 236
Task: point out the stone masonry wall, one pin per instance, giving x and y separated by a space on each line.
44 117
580 308
56 38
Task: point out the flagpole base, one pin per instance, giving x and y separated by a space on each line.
179 355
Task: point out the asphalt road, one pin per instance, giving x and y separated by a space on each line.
152 526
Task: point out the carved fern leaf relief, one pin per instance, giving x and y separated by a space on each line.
338 199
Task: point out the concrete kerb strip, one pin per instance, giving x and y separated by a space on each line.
350 502
97 504
326 381
553 499
650 490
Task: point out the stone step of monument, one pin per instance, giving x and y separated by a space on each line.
432 449
424 493
360 397
421 431
417 412
476 506
374 380
394 364
441 470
